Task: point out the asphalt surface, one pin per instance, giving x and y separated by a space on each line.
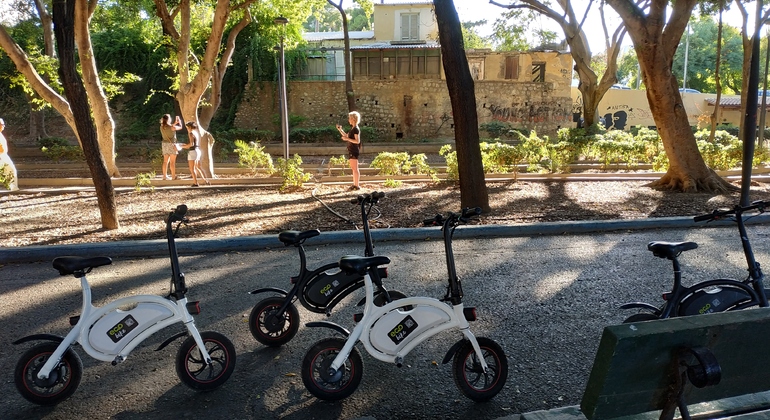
543 292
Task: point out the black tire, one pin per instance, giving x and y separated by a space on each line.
61 383
194 372
271 330
315 370
640 317
469 376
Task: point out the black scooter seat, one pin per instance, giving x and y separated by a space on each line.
293 237
71 265
670 250
354 264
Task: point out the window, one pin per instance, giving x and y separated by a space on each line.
410 26
512 67
538 72
397 63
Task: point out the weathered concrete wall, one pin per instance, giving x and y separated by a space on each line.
623 109
411 109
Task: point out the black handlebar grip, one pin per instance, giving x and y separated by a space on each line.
377 195
702 217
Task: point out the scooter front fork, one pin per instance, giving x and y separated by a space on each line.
475 343
199 341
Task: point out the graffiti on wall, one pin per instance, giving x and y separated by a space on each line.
618 116
529 112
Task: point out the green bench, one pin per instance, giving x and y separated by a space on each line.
712 366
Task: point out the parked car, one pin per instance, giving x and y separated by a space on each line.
688 90
619 86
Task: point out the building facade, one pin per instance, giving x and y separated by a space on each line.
400 87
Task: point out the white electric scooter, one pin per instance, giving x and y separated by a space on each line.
332 368
50 372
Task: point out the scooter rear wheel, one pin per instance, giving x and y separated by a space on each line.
470 377
60 384
194 372
272 329
323 384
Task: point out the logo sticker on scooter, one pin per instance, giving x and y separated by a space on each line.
402 330
122 328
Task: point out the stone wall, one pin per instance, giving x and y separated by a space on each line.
412 109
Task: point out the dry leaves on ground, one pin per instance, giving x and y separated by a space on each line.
228 211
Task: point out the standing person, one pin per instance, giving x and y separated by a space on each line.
6 164
353 137
169 147
194 155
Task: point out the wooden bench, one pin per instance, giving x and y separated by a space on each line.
712 365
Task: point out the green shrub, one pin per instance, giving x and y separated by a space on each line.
144 180
340 161
392 183
6 178
723 153
450 156
253 156
501 130
58 149
292 173
401 163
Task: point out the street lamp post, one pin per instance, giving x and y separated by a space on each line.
282 87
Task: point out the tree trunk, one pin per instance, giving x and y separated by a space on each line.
349 94
473 188
64 28
656 36
100 108
687 171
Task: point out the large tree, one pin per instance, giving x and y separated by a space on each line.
199 76
591 88
349 94
655 35
760 17
105 126
473 188
66 14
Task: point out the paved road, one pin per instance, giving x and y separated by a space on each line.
545 299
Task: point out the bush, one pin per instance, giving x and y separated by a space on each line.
450 156
501 130
292 173
6 178
402 164
253 156
57 149
723 153
144 180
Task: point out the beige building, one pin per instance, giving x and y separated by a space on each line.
400 86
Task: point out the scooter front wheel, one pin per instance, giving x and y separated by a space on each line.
61 382
323 383
193 370
469 375
271 328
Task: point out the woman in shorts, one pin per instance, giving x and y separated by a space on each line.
168 145
194 154
353 137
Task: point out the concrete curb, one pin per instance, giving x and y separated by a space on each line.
158 247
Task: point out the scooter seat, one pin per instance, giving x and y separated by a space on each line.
354 264
293 237
71 265
670 250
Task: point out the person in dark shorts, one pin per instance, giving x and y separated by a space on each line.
353 137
